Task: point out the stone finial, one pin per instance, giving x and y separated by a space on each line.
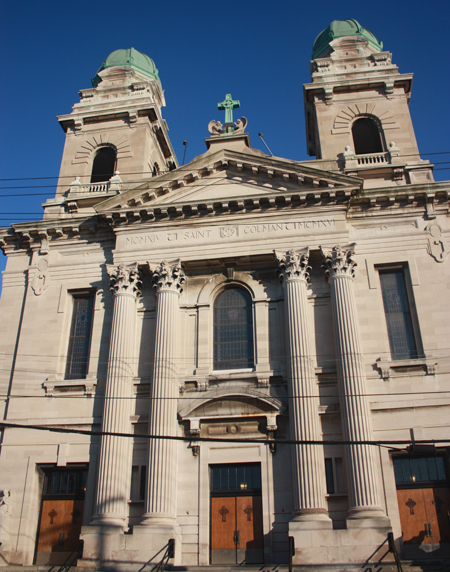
293 265
339 262
168 276
125 279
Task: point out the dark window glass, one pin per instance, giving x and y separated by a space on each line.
104 165
233 330
398 470
80 337
142 483
236 478
414 470
398 315
366 136
67 483
329 476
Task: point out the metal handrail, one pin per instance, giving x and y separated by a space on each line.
393 549
161 565
78 554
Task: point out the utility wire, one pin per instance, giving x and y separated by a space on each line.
196 439
180 169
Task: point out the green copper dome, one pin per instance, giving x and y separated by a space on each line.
339 29
131 58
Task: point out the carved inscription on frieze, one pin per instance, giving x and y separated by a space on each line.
232 232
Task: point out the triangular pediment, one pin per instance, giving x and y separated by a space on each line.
227 178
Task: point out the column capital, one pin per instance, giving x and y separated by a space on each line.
168 276
124 279
293 265
339 262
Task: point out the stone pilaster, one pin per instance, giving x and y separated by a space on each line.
162 468
113 476
307 460
356 420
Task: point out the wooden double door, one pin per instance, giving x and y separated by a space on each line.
236 530
59 530
425 515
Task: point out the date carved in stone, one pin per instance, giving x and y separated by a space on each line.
293 265
339 262
168 276
124 279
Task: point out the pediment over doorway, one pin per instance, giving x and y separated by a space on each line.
223 404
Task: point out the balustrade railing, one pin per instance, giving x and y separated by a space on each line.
372 159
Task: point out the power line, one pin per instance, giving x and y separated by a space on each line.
307 163
196 439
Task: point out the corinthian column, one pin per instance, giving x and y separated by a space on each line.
356 421
162 469
307 460
113 476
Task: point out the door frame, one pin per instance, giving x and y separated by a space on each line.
217 454
44 470
235 494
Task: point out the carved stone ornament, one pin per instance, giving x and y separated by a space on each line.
436 245
168 276
124 279
215 128
339 262
41 280
240 125
293 265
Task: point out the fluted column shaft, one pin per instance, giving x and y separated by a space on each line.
307 460
161 482
113 475
355 409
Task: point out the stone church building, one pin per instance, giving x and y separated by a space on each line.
211 353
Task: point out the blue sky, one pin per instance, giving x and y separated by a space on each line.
259 51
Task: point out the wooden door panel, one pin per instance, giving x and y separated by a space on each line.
412 515
59 530
437 507
249 524
223 523
52 523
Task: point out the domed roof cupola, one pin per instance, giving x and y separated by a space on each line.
130 58
341 29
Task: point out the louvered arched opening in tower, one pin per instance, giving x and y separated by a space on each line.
366 136
233 330
104 165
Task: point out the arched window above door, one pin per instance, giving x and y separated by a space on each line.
233 330
366 136
104 165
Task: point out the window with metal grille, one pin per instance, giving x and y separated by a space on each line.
398 314
233 330
234 478
414 470
80 337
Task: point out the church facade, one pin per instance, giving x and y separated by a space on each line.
238 351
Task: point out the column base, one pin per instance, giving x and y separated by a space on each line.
367 517
107 547
310 519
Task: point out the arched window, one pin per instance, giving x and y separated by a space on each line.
233 330
366 136
104 165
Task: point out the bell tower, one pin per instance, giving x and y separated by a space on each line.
115 135
357 109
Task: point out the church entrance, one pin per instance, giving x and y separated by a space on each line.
236 514
424 504
61 515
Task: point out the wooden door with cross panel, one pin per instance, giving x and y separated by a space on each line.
236 515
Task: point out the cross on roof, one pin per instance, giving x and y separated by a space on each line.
228 105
